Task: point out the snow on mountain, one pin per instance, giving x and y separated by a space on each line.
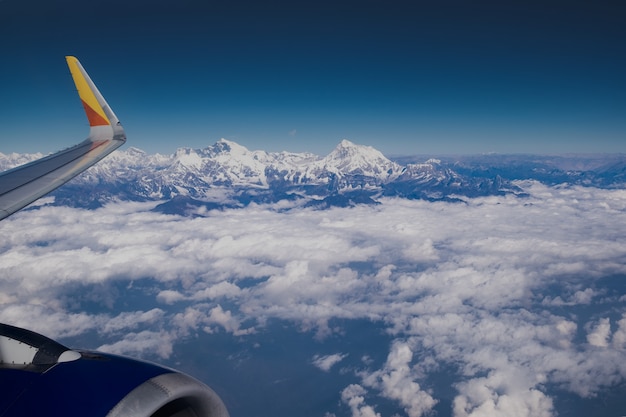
226 171
229 163
349 158
186 158
13 160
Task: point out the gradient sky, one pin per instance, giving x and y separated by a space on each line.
407 77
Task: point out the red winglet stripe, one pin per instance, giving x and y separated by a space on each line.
94 118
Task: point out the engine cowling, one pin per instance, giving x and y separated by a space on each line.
39 376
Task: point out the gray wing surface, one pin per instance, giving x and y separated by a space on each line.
22 185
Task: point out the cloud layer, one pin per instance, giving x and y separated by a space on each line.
514 294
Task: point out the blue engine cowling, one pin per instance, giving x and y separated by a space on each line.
39 376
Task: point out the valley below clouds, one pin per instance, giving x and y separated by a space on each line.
489 306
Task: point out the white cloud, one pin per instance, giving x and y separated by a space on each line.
326 362
498 395
619 337
490 286
131 320
137 344
353 395
600 333
48 321
397 381
579 297
170 296
225 319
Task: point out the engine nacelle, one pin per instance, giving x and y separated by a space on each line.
39 376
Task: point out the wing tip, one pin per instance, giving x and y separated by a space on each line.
92 100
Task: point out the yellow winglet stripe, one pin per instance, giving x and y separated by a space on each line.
95 113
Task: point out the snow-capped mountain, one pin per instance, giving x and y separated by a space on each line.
197 173
350 159
228 174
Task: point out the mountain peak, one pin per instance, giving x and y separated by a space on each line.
346 148
350 150
349 157
345 143
228 146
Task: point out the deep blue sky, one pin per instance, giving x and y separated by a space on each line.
406 77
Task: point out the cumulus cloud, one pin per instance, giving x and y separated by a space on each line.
396 381
600 333
130 320
353 396
579 297
136 344
50 321
225 319
619 337
326 362
499 395
490 287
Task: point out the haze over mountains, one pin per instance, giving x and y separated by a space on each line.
227 174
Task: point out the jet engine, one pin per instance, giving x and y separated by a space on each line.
39 377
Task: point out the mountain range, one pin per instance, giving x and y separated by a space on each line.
227 174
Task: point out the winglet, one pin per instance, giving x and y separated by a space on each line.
22 185
98 111
94 110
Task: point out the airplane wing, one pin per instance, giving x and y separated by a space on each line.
22 185
39 376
